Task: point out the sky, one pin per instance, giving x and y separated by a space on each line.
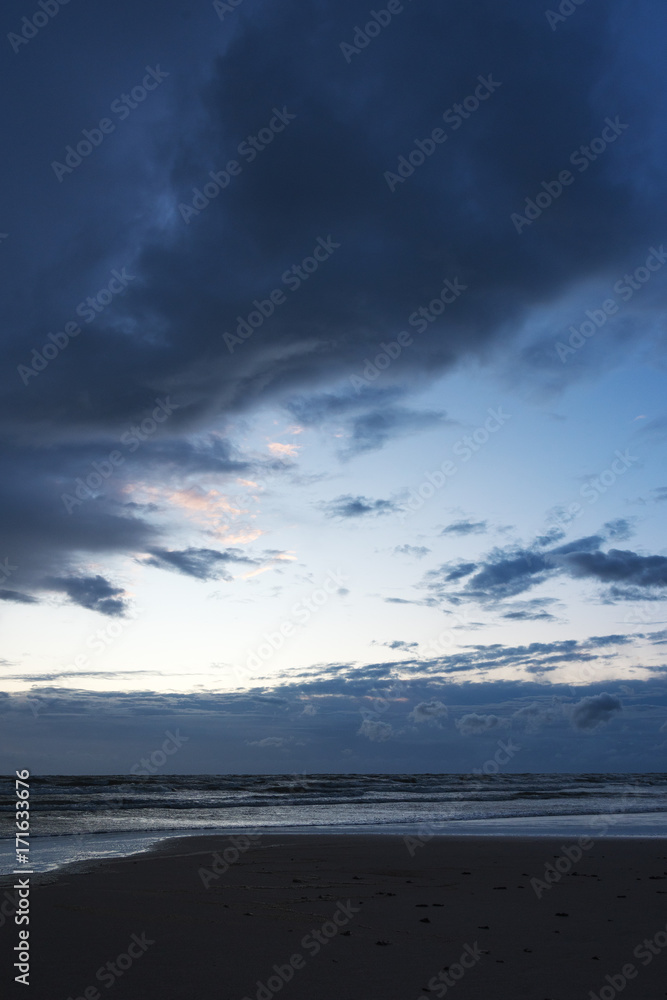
333 396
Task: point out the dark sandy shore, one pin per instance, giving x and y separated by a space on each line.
353 918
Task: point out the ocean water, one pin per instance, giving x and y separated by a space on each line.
79 818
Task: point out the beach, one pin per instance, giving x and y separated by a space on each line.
353 917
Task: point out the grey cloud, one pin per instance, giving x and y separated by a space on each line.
368 419
531 610
529 616
620 529
459 570
91 592
17 597
377 732
270 742
619 566
507 572
374 429
351 506
418 551
535 715
475 725
399 644
203 564
594 711
429 711
466 528
91 718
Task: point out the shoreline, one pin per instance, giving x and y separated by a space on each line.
52 852
363 916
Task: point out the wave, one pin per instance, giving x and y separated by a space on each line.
66 805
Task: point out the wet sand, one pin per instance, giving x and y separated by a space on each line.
353 918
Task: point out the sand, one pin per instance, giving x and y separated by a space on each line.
353 918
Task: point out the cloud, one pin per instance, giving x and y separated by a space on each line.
620 529
92 718
398 644
377 732
506 572
374 429
594 711
529 616
16 597
270 742
203 564
535 716
530 611
91 592
351 506
429 711
466 528
284 450
418 551
619 566
390 251
367 420
475 725
456 571
432 659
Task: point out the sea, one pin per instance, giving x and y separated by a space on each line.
86 818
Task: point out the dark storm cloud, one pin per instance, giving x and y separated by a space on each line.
349 506
203 564
325 172
465 528
316 194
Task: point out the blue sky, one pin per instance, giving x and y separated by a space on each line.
334 473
